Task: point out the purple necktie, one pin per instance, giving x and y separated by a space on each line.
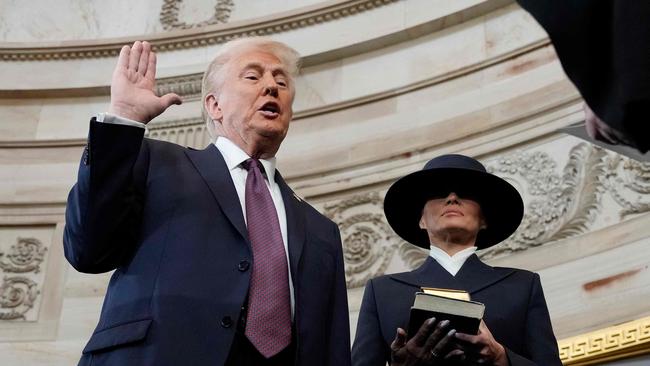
268 324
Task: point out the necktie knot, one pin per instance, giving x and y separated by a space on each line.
251 164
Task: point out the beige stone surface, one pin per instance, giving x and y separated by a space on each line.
383 91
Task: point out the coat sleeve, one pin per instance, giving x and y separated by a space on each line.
540 340
369 348
104 208
339 336
602 46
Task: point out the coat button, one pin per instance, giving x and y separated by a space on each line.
226 322
243 266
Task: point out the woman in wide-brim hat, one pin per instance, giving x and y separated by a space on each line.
453 207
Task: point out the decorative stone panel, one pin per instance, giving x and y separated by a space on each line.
569 186
169 15
30 281
368 241
21 272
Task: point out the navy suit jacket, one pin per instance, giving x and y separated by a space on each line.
169 221
515 310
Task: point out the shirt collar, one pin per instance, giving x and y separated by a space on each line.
459 258
234 156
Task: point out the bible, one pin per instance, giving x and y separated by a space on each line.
464 315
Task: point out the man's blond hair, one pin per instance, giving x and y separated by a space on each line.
214 76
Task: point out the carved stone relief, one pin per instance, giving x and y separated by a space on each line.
557 205
368 241
189 132
628 184
187 86
22 270
169 15
25 256
564 196
17 296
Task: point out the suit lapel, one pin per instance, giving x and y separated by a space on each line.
429 274
476 275
212 168
295 224
473 276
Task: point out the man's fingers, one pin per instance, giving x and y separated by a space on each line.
171 98
123 59
596 128
151 67
423 333
134 57
144 58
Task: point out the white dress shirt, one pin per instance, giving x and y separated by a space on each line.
451 263
234 156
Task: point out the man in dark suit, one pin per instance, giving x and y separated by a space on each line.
217 261
603 48
454 207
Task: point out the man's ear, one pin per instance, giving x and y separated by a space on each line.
212 108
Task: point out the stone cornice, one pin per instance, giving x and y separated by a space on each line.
187 86
611 343
191 38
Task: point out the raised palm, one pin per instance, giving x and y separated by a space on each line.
133 82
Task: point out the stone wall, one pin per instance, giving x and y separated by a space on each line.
386 85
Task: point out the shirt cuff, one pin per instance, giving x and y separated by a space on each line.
117 120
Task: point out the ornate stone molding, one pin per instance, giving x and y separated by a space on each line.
25 256
187 86
169 15
187 132
18 293
17 296
211 35
368 241
557 206
629 185
560 203
611 343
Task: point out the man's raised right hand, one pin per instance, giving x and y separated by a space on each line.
132 85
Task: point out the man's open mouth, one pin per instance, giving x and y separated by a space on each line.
270 109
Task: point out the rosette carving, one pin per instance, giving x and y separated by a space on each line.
17 296
24 256
368 241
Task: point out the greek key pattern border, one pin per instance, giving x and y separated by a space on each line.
619 340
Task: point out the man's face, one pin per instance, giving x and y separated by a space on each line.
253 108
450 215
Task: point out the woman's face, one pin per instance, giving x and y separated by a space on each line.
452 215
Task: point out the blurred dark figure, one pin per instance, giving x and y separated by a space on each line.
604 48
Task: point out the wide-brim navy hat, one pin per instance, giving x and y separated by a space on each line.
501 204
